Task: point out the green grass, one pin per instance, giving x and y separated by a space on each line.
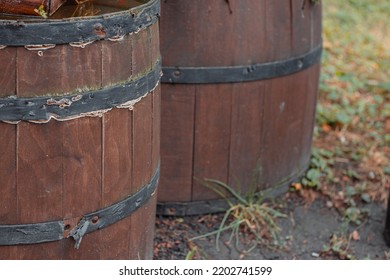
354 102
355 80
249 217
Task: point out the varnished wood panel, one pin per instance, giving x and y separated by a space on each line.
155 43
142 172
8 72
250 45
82 179
283 120
177 130
141 231
59 70
212 137
141 57
316 24
246 135
178 29
301 27
156 139
117 182
39 182
312 77
8 188
117 61
117 155
278 18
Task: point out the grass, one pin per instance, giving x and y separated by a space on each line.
248 217
351 155
355 83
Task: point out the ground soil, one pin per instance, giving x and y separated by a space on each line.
312 230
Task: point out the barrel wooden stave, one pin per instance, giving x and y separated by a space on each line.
64 170
229 132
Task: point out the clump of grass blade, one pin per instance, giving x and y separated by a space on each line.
248 214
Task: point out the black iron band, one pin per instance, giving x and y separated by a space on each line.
51 31
42 109
55 230
245 73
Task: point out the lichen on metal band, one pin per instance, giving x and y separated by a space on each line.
85 29
55 230
90 103
241 73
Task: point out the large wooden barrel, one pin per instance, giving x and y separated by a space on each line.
240 81
79 134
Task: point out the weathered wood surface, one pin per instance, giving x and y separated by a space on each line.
235 131
64 170
30 7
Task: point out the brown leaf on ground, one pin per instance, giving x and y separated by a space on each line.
355 236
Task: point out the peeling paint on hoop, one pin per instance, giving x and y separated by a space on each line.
29 31
90 103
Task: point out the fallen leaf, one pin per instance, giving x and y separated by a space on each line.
355 235
296 186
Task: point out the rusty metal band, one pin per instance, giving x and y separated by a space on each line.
56 230
242 73
42 109
28 31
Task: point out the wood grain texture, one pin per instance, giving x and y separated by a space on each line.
316 25
117 61
177 130
8 149
312 77
142 172
117 182
156 133
8 186
278 26
59 70
8 72
212 137
301 26
39 182
247 129
82 178
141 57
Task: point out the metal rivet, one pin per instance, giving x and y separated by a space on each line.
95 219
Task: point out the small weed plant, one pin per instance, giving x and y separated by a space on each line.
248 216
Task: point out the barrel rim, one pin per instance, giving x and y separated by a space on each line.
26 31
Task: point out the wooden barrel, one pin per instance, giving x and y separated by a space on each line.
240 82
79 134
